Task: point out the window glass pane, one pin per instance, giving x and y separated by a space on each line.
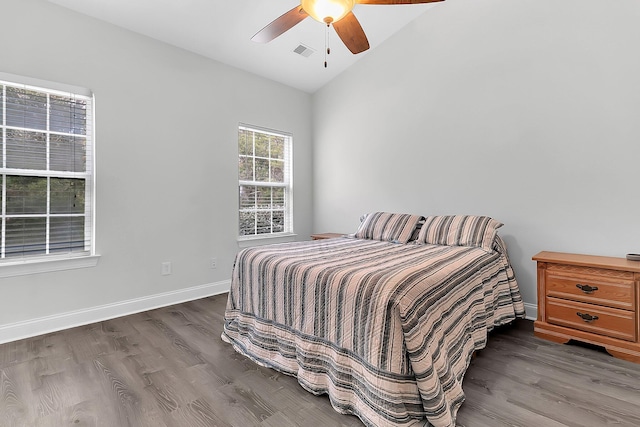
277 171
262 170
67 153
25 236
263 197
67 195
247 223
263 220
278 198
26 108
262 145
68 115
1 105
66 234
247 197
277 147
245 142
26 195
278 221
245 168
26 150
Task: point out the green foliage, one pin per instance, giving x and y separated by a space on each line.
26 195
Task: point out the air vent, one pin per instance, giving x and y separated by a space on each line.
303 50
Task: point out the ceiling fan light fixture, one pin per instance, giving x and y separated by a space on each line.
327 11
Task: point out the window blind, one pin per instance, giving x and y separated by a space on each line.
46 174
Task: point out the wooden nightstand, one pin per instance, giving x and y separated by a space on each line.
320 236
588 298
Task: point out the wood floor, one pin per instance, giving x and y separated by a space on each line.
169 367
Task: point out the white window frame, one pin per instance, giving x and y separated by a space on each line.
52 262
288 232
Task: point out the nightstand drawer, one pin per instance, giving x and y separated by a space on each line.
617 292
606 321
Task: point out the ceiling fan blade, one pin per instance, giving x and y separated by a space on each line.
280 25
395 1
351 33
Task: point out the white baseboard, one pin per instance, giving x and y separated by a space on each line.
57 322
532 311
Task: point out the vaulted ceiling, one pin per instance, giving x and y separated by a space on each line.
222 30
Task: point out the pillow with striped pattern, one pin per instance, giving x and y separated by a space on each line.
459 230
388 227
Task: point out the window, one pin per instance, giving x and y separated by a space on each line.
264 169
46 171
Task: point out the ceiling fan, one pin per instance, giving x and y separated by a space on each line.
330 12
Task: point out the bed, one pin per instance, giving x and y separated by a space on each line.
384 321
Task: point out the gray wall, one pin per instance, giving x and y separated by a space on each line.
166 158
527 111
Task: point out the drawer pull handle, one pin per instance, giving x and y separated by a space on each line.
586 288
587 317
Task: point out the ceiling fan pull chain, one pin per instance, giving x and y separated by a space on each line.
326 44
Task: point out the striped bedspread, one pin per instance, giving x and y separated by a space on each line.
386 330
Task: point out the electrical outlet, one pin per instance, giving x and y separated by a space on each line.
166 268
213 263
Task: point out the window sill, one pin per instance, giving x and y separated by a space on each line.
245 242
35 266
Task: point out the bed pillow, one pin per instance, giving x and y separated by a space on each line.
388 227
459 230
